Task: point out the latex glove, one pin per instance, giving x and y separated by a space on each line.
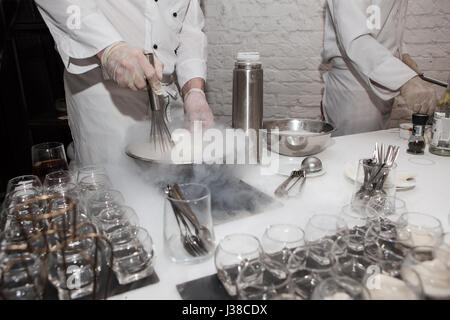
197 108
406 58
419 96
129 67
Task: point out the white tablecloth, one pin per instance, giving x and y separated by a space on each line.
325 194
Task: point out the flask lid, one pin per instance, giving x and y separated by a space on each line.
420 119
248 57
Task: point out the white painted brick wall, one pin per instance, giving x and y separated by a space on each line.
289 36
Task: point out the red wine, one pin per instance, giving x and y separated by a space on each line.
41 169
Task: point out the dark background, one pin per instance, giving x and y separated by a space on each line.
31 88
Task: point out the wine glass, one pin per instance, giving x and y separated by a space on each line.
48 157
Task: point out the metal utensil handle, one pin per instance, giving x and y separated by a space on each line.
302 182
281 190
186 209
154 99
434 81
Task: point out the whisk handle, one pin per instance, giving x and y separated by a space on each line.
155 104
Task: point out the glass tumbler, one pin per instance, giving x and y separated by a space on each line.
48 157
106 199
20 277
309 266
373 181
233 253
357 218
387 249
325 229
92 184
280 240
90 171
340 288
431 264
188 225
22 183
424 230
133 254
58 178
264 285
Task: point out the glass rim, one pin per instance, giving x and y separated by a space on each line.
406 214
290 226
48 145
58 172
96 197
338 219
365 208
204 187
94 178
244 235
361 162
21 182
347 280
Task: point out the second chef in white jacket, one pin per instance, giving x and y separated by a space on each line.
370 67
102 45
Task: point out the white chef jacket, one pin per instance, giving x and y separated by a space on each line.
100 113
367 72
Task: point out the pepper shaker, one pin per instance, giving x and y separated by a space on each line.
416 143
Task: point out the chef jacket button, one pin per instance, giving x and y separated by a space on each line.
175 14
155 46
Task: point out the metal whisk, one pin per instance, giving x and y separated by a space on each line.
159 101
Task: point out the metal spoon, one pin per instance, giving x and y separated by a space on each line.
309 165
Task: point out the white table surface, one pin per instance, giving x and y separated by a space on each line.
325 194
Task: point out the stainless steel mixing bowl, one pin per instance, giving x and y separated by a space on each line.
297 137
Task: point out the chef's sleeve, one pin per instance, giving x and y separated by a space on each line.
80 31
384 73
192 52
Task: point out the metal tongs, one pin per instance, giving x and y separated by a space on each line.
196 238
376 170
285 187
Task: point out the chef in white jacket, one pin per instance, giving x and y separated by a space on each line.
102 45
370 67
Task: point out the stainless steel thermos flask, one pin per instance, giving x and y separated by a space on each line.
248 92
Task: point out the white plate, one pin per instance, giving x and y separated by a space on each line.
287 165
405 180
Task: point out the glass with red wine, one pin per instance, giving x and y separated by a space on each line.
47 158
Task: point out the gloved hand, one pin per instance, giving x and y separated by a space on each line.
419 96
129 67
406 58
197 108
